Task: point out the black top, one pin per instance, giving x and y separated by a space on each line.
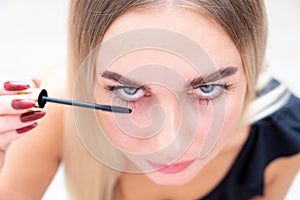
277 135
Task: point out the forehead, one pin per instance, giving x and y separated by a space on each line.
192 24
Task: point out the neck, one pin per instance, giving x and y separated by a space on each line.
139 186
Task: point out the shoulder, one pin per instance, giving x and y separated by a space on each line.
280 145
279 176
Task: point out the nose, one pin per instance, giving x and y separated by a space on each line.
173 118
178 133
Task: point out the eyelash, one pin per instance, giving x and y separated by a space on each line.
202 100
121 101
205 101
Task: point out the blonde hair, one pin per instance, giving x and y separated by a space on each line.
243 21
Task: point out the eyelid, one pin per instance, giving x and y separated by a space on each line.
113 88
197 85
206 84
224 86
123 87
123 101
116 87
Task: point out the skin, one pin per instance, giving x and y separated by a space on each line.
32 160
22 179
221 51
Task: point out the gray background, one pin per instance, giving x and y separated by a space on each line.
33 39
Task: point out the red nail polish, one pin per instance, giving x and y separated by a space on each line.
22 104
26 128
15 86
32 115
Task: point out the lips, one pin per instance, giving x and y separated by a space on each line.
173 168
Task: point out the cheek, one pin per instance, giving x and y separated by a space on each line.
220 124
132 134
118 127
236 102
234 111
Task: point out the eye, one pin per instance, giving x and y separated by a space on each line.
209 91
129 93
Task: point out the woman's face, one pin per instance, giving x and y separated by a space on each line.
182 114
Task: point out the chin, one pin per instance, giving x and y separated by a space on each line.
169 179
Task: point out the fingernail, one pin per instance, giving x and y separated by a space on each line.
32 115
26 128
15 86
22 104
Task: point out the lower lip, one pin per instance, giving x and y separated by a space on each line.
171 169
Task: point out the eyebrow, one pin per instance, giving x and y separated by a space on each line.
195 82
212 77
121 79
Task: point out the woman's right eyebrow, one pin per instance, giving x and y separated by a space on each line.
121 79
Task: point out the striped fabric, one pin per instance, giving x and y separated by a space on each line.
271 95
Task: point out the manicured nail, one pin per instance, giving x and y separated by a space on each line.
32 115
26 128
22 104
15 86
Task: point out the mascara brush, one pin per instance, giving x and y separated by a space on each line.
43 99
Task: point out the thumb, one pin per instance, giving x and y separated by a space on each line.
37 82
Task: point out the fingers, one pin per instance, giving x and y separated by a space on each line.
37 82
18 122
13 127
15 87
15 104
17 98
8 137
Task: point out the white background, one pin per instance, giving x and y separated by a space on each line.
33 39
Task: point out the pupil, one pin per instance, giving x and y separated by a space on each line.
207 88
131 91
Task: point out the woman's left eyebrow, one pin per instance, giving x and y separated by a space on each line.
213 76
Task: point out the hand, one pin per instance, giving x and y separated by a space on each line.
17 113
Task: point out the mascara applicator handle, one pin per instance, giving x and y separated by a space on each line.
43 99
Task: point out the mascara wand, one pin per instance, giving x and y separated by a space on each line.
43 99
